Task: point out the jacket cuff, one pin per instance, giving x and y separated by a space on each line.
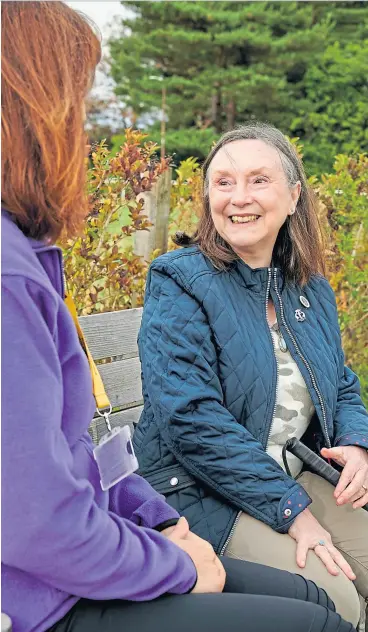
290 506
165 525
153 512
353 438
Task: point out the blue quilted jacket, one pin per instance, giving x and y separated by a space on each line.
209 383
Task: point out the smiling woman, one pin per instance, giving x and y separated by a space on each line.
241 351
250 198
251 170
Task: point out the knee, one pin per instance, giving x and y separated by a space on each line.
308 590
345 597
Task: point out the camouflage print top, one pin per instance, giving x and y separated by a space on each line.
294 407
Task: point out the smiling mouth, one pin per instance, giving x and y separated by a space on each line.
244 219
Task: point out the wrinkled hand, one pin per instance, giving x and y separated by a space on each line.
353 484
307 532
211 574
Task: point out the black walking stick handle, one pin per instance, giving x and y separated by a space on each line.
315 462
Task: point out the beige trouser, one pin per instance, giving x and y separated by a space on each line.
254 541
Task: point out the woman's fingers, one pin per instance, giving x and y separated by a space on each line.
302 549
358 495
337 454
361 502
354 486
340 561
328 554
346 477
323 553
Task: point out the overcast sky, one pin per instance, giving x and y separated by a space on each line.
107 16
103 14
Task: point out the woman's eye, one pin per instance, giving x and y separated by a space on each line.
224 183
260 180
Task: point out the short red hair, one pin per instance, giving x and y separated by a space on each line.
49 56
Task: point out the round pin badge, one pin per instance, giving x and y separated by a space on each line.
304 301
299 315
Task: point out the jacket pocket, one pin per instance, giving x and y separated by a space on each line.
170 479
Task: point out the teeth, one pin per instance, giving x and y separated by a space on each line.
237 219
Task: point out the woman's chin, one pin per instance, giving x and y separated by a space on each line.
241 242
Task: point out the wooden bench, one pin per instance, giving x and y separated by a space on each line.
112 340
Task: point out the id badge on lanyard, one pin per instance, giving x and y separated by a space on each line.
114 454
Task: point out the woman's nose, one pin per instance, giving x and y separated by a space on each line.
241 196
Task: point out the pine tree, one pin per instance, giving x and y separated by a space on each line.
221 63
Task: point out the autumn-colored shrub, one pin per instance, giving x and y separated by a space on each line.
344 202
102 272
186 199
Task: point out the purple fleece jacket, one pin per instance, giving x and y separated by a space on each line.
63 537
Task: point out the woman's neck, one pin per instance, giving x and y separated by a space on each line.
255 260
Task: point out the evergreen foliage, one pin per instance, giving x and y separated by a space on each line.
299 65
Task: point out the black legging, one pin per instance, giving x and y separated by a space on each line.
256 598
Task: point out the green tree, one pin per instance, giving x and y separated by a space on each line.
335 119
221 63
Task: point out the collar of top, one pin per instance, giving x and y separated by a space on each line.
256 278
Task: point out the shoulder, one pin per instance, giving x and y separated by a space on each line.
189 261
28 308
320 286
184 264
25 284
18 258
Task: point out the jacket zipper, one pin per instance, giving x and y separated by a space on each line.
231 533
306 363
274 350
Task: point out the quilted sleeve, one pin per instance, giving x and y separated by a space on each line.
179 372
351 417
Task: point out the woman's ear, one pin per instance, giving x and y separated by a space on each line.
295 194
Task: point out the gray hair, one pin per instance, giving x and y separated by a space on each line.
270 135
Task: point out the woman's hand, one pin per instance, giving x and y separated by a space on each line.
353 484
307 532
211 574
